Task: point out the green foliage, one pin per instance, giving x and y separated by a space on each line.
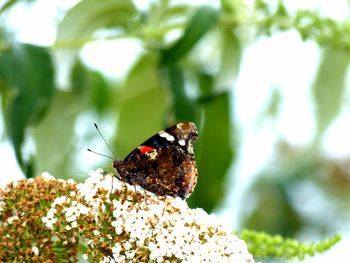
141 107
309 24
184 107
332 73
273 205
263 245
27 77
202 21
89 15
217 124
63 110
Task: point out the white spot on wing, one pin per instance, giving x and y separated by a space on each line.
182 142
167 136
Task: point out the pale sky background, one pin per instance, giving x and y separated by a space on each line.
293 79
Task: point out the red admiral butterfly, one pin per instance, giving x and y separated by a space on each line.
164 164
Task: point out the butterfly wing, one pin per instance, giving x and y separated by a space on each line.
164 164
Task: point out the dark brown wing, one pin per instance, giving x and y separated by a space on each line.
164 164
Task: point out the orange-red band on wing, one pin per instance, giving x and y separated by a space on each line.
144 149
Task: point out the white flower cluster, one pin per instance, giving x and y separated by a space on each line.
160 229
73 209
71 212
170 230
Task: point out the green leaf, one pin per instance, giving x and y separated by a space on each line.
201 22
90 15
57 131
214 152
92 83
142 106
184 107
273 205
206 85
230 58
54 136
7 5
329 87
161 12
174 11
228 6
28 75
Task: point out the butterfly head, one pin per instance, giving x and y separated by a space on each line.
184 133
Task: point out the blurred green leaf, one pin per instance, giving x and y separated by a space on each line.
175 11
228 6
142 106
161 12
274 211
230 58
57 130
89 15
7 5
27 73
54 136
10 3
214 152
184 107
201 22
329 87
206 85
93 83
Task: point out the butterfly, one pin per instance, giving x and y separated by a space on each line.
164 164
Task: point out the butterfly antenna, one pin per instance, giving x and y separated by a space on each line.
101 154
109 147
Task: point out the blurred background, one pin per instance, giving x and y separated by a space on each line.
266 82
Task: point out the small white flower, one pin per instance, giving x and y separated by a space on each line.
127 245
59 200
85 257
130 254
118 230
35 250
49 220
71 218
116 250
81 209
47 176
96 232
70 181
155 250
11 219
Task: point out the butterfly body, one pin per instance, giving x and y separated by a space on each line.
165 163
